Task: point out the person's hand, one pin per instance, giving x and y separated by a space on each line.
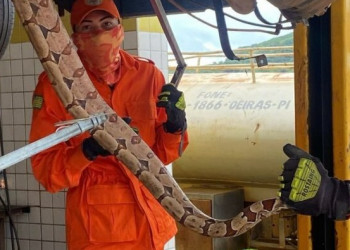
174 103
307 188
92 149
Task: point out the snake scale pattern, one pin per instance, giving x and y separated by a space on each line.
74 88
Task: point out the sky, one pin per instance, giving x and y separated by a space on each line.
192 35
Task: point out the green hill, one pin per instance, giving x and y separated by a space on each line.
286 40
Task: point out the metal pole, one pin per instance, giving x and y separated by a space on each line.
74 127
181 65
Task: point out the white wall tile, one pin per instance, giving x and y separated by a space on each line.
8 145
38 67
47 233
19 132
34 232
34 215
36 77
33 198
21 166
5 84
27 131
11 180
164 43
21 182
18 100
59 233
28 83
17 83
28 67
46 216
60 246
11 170
24 244
29 166
18 117
59 216
143 41
164 60
133 52
145 54
27 50
156 57
19 144
7 132
5 68
16 67
15 51
13 196
33 184
28 115
58 200
22 198
6 100
35 245
22 218
23 230
130 41
46 245
28 99
45 199
156 43
166 75
7 116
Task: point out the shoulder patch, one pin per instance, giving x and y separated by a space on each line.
143 59
37 102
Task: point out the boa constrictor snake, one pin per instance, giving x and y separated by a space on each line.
74 88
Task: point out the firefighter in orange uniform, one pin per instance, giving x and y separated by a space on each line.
106 206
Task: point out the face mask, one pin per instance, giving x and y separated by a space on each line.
99 52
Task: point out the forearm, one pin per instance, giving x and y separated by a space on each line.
340 207
168 146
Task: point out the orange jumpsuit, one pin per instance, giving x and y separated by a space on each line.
107 206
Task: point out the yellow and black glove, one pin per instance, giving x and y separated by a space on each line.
174 103
307 188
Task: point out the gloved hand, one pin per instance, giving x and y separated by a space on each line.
92 149
174 103
307 188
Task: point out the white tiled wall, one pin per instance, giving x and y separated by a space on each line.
153 46
43 228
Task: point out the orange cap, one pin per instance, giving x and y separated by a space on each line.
81 8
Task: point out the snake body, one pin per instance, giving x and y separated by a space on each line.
77 93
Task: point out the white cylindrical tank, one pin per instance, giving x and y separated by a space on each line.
236 128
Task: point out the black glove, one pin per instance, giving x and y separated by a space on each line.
307 188
92 149
174 103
